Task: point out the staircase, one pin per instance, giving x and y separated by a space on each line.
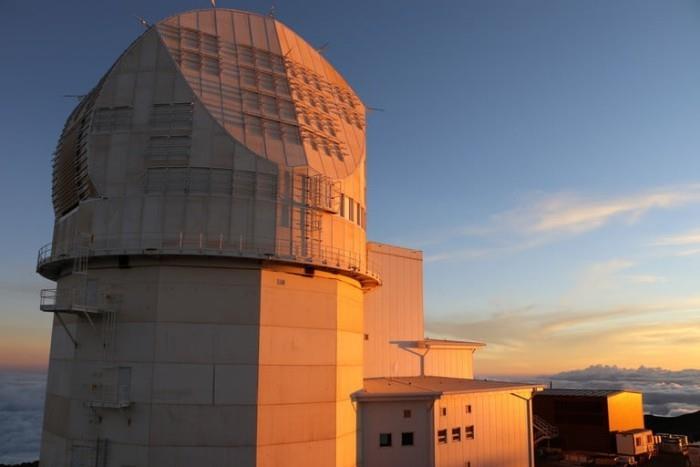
543 429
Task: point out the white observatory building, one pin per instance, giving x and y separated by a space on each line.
212 273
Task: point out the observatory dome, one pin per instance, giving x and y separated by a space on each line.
216 132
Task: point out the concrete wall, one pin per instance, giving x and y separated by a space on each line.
501 430
310 363
230 364
394 311
189 335
388 417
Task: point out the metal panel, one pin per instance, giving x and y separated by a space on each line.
394 311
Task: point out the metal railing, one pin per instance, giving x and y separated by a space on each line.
201 244
49 298
67 300
543 429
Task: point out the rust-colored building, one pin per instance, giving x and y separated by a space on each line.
588 419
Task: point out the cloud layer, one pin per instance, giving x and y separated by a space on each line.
535 338
666 392
21 408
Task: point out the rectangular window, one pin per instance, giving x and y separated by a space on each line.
456 434
638 441
443 411
407 438
442 436
469 432
384 440
407 413
351 209
468 408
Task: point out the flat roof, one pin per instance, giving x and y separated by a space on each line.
582 392
394 250
634 431
428 342
430 387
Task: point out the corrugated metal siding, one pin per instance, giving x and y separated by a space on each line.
500 422
452 363
394 311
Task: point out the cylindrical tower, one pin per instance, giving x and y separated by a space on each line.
210 255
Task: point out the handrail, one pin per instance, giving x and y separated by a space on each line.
201 244
67 298
545 429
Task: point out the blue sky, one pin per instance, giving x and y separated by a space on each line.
543 154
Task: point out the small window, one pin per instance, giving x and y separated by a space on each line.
469 432
456 434
366 337
384 440
638 441
650 439
407 438
443 411
407 413
442 436
468 408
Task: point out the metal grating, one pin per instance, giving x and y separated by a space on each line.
71 182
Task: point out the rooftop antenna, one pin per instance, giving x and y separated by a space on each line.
78 97
143 22
273 11
322 48
375 109
213 4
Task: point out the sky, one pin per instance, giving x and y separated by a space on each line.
542 154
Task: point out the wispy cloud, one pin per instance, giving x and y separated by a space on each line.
541 219
684 239
574 214
610 274
681 244
539 336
